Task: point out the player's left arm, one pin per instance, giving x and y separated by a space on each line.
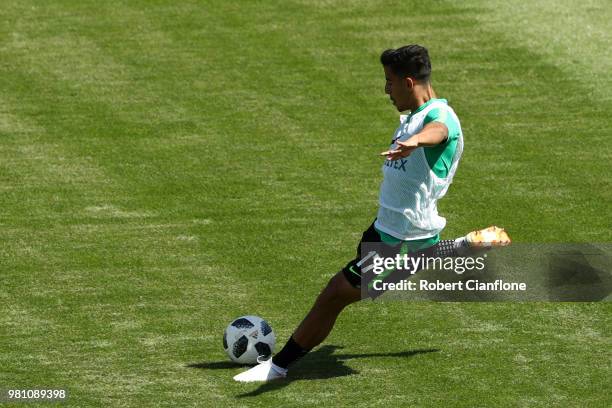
432 134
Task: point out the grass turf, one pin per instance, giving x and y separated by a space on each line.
166 167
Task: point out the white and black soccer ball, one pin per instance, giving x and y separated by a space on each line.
247 338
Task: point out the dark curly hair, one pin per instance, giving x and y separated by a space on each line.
408 61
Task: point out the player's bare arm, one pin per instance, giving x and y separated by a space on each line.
432 134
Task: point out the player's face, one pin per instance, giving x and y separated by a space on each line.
398 90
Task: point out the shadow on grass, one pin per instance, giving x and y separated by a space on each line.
317 365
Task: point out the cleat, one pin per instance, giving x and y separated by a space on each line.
263 372
488 238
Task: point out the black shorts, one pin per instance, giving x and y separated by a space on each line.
359 270
353 270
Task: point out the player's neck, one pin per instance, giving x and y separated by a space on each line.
423 94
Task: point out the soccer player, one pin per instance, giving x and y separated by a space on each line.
418 169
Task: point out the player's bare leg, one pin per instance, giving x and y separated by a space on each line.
319 322
339 293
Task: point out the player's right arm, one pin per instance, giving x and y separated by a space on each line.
432 134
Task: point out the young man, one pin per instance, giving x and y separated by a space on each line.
419 167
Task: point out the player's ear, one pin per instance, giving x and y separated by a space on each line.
409 82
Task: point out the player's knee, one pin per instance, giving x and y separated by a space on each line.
338 293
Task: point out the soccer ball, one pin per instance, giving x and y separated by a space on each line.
247 338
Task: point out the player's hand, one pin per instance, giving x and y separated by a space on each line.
403 149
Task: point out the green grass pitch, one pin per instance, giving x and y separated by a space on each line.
168 166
